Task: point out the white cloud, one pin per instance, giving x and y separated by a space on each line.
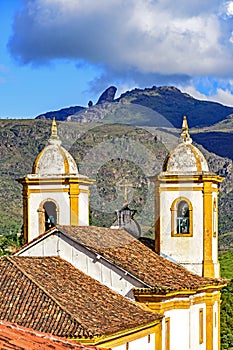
229 8
145 37
222 96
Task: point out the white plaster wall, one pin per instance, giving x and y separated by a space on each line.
179 329
184 328
139 344
44 247
62 200
83 209
86 261
194 327
184 250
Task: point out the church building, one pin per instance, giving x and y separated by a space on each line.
186 209
55 192
179 281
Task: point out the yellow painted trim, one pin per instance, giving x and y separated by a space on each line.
173 218
26 196
47 190
179 178
124 336
62 180
35 164
208 265
158 337
163 306
161 303
201 326
167 333
197 158
74 204
180 189
65 160
215 217
157 218
84 191
218 315
210 316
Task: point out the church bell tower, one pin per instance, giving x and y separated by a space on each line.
55 193
186 209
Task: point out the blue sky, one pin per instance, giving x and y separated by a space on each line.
61 53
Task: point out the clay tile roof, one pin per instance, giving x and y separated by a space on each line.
130 254
50 295
14 337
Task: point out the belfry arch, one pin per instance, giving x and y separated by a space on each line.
55 192
186 217
48 214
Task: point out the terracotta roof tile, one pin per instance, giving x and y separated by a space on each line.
15 337
130 254
48 294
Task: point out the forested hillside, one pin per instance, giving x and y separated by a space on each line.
226 262
108 153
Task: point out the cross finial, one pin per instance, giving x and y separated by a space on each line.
185 137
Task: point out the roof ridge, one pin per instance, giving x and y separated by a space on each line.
103 256
90 333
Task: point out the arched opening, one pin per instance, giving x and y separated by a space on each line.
50 214
182 219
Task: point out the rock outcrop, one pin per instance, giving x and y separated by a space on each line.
108 95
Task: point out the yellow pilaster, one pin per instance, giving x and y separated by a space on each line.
74 193
218 320
209 322
208 265
157 217
26 195
158 337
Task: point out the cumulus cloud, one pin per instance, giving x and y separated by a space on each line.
163 40
150 36
227 9
221 95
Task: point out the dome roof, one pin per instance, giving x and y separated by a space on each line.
185 158
54 159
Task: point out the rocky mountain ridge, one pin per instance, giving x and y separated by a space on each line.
167 102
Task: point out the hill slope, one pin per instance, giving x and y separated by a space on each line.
109 153
153 107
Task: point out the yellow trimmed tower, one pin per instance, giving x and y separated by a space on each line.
186 209
55 193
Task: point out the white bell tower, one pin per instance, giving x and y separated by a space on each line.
55 193
186 209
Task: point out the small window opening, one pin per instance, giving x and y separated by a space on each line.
182 219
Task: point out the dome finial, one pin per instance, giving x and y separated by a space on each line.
54 128
184 136
54 137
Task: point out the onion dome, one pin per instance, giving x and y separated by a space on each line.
54 159
185 158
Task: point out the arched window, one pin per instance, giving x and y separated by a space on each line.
181 211
50 214
182 218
